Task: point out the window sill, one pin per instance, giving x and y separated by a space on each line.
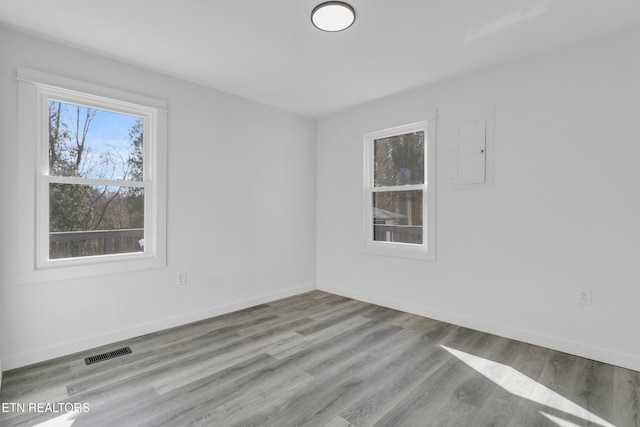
52 272
399 251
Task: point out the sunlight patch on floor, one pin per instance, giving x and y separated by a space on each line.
521 385
64 420
560 421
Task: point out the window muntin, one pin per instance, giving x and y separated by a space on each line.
399 193
398 166
103 216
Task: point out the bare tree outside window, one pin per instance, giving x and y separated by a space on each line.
397 207
87 146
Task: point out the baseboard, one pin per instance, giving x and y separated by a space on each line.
70 347
623 360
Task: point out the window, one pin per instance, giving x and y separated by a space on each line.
95 183
399 191
99 175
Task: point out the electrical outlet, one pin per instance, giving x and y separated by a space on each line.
182 278
584 296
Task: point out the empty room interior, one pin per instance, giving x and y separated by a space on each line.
418 213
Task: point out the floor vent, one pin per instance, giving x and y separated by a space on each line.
106 356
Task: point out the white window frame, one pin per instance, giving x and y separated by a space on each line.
36 89
427 250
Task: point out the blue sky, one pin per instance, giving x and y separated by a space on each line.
108 142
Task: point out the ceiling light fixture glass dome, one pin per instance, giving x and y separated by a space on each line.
333 16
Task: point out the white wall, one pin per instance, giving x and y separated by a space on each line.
241 214
563 213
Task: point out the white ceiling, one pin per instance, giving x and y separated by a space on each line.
268 51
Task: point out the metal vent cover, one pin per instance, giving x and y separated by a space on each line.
106 356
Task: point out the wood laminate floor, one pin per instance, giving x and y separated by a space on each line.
319 359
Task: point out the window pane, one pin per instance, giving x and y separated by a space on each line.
95 220
397 216
92 143
399 159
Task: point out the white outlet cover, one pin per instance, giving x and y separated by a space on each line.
182 278
584 297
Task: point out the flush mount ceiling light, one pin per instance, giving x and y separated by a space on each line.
333 16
